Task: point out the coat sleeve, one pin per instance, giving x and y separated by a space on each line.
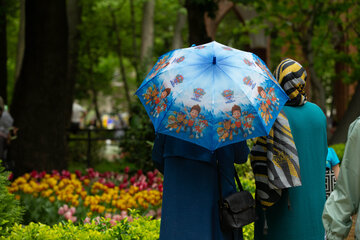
158 152
241 152
344 200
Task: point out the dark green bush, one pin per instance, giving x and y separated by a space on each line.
10 210
137 142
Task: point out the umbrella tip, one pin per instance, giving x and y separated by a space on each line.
214 60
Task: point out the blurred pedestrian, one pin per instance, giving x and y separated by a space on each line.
78 113
7 132
120 126
344 201
297 214
332 171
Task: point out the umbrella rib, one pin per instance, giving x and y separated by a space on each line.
260 73
195 52
252 106
212 112
161 73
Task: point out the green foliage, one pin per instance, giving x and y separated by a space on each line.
139 228
12 34
248 232
142 228
232 32
40 210
10 210
322 29
136 144
339 149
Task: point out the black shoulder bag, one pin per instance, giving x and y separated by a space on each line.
237 209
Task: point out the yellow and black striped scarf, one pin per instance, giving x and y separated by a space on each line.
274 158
292 78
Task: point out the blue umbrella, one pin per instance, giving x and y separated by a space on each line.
211 95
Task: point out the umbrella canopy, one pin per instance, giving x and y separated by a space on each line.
211 95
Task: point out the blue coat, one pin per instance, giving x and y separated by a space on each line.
191 193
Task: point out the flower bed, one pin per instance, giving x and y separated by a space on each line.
53 197
93 205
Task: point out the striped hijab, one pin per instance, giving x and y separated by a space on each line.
274 158
292 78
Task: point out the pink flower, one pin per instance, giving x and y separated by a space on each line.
150 175
87 220
61 211
78 173
11 176
72 210
73 218
108 215
117 217
65 174
66 208
97 220
133 179
160 187
158 213
110 184
42 174
55 173
68 215
151 213
34 174
123 213
113 222
127 169
102 180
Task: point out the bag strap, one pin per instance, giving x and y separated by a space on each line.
219 180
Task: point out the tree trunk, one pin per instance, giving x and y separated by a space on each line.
74 19
352 112
122 68
94 93
3 52
180 24
147 35
196 22
317 89
135 57
40 99
21 41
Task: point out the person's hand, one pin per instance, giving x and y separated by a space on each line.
12 134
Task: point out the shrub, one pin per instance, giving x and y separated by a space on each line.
339 149
139 228
142 228
10 210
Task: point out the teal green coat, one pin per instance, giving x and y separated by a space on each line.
297 215
344 201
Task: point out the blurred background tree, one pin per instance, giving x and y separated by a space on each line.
99 51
